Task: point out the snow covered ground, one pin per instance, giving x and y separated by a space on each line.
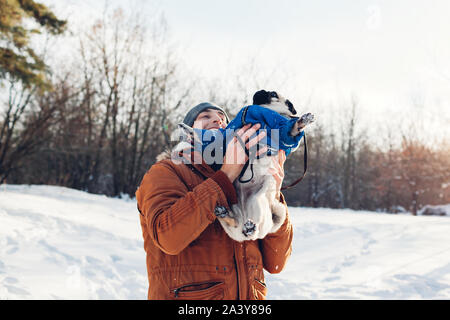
59 243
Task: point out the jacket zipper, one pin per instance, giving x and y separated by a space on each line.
237 275
177 290
239 271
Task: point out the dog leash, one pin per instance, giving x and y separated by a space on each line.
243 123
305 165
247 164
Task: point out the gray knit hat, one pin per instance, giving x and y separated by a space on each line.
195 111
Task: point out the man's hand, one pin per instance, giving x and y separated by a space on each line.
235 156
277 170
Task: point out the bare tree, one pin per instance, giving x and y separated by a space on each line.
23 125
112 130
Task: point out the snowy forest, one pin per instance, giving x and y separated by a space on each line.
90 107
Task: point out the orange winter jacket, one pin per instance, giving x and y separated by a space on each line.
189 255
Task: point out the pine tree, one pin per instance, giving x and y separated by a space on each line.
17 59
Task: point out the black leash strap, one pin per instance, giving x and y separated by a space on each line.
247 163
305 165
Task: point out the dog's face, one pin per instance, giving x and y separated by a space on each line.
274 101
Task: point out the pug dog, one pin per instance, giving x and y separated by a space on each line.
258 212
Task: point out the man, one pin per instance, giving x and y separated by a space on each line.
189 255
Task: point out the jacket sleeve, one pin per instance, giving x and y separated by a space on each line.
174 215
276 247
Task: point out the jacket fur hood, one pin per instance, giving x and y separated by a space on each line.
165 155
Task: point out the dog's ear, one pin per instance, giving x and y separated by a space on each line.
261 97
291 107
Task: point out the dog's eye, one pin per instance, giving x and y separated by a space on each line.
273 94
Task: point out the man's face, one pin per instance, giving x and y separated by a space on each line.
210 119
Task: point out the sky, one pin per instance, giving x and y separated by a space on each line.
393 56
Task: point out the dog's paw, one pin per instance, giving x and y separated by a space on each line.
306 119
221 212
301 123
249 228
184 133
225 215
187 134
